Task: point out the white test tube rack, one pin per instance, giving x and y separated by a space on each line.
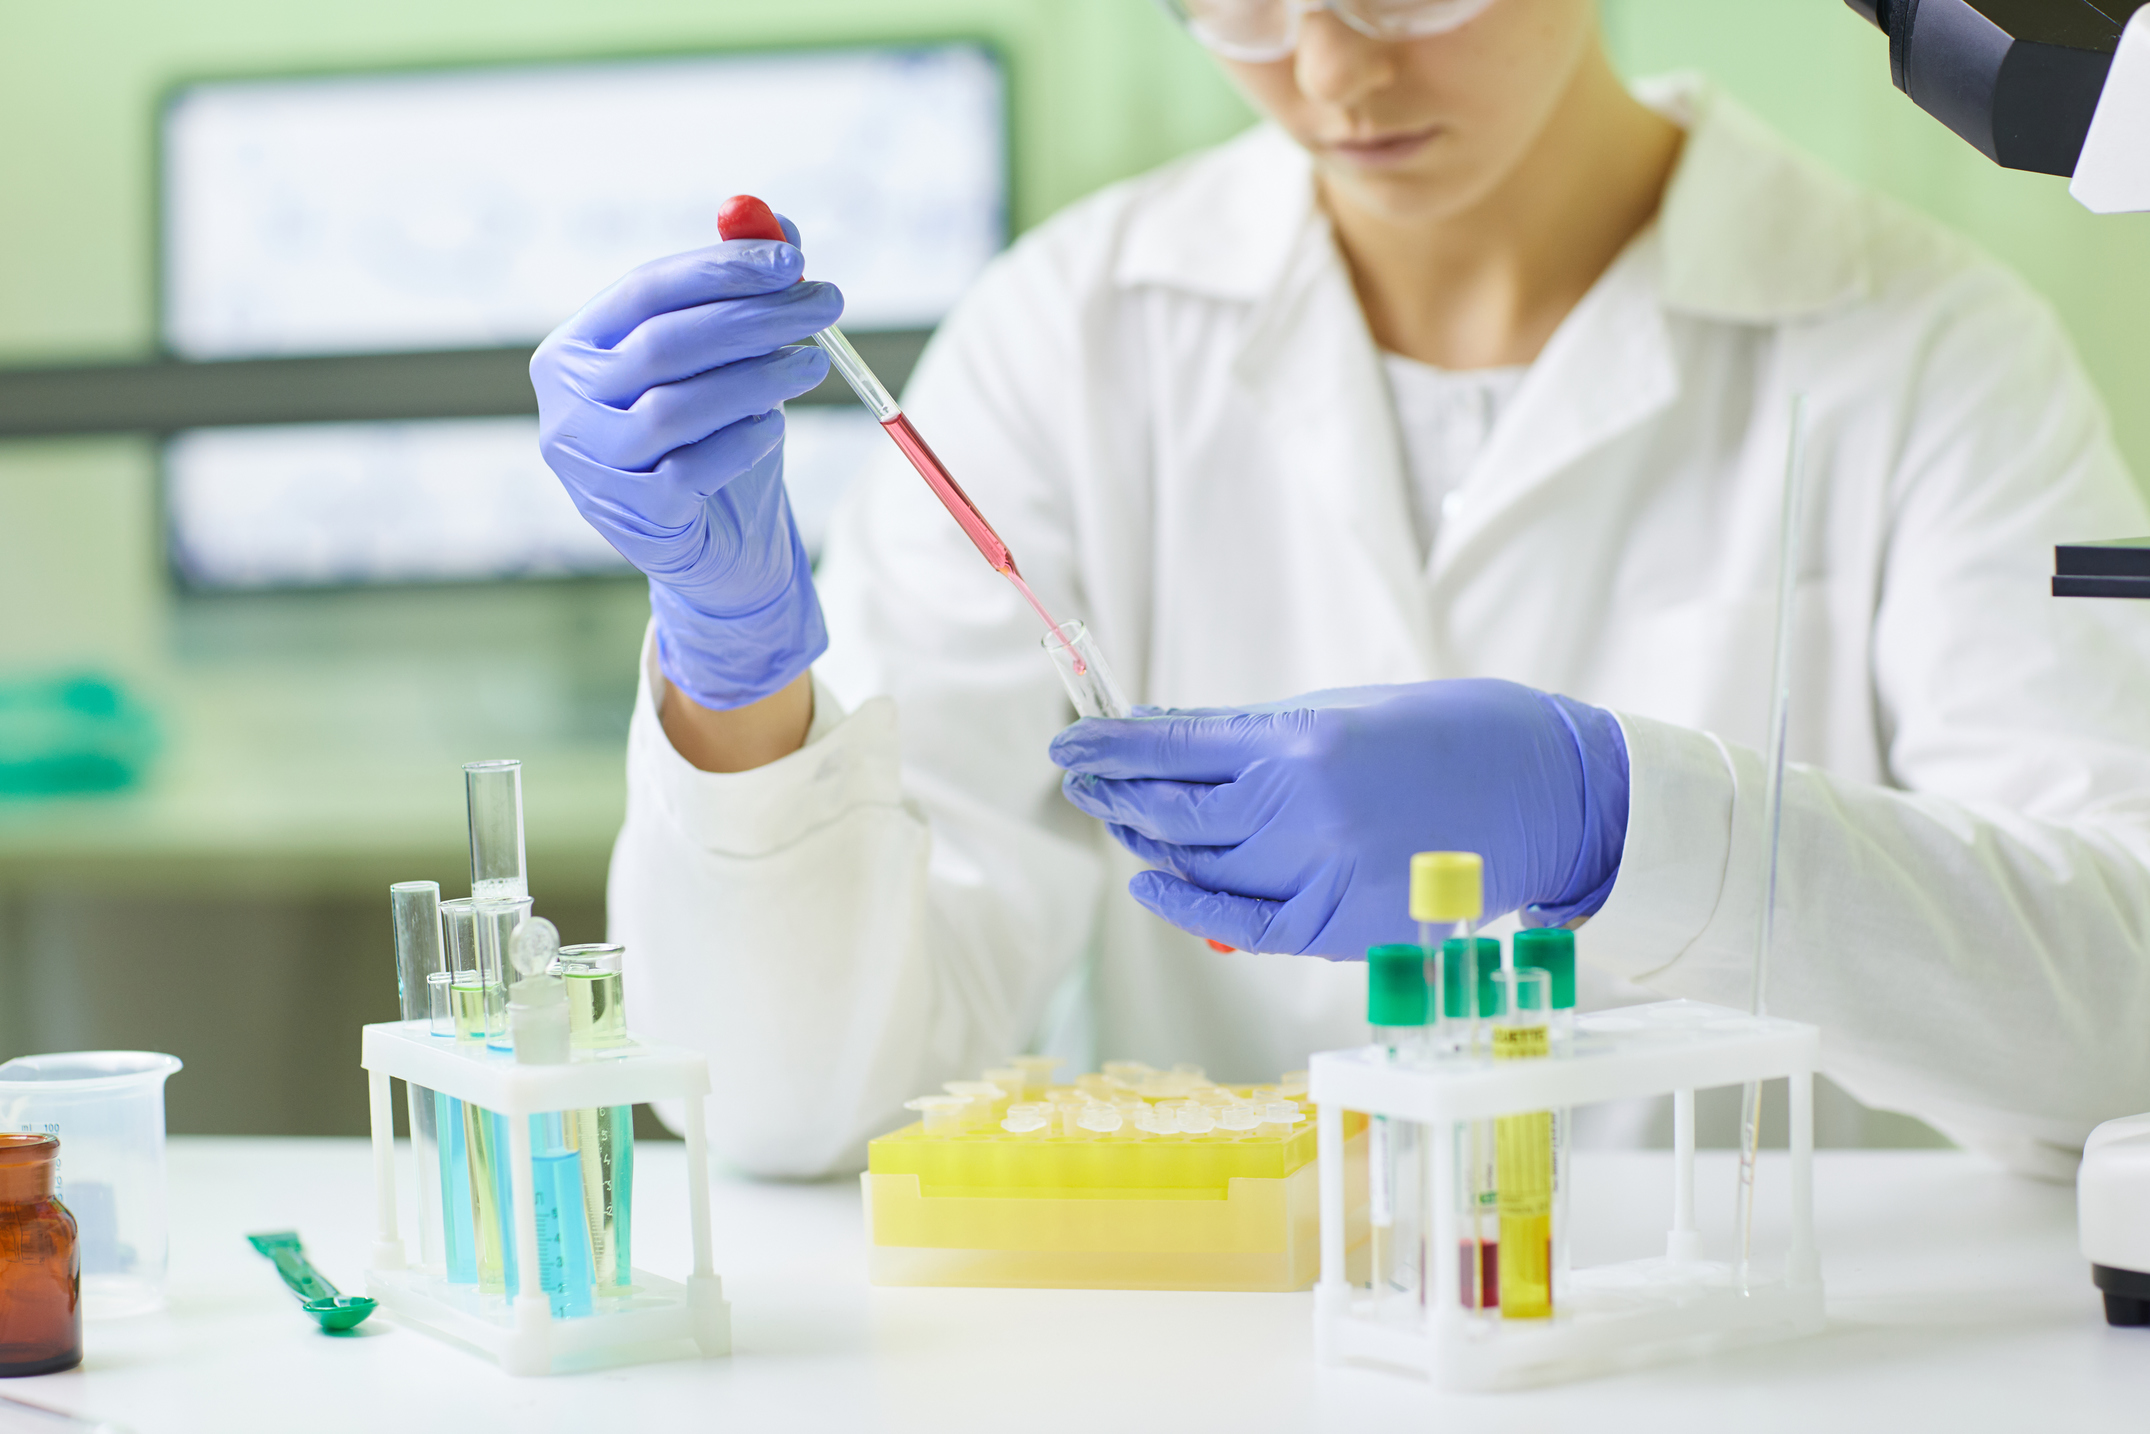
1613 1317
660 1319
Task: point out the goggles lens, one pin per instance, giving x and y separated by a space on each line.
1269 29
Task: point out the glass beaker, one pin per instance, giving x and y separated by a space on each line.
40 1284
107 1108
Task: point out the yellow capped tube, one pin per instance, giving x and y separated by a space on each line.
1448 886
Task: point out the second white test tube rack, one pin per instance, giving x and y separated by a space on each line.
1612 1316
657 1319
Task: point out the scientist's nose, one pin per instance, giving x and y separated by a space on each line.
1336 65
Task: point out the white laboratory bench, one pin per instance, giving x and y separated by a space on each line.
1956 1301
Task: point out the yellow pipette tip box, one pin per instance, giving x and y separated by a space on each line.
1135 1180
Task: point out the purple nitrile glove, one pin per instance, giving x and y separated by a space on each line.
1292 829
658 409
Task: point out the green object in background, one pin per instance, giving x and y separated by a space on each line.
69 734
335 1310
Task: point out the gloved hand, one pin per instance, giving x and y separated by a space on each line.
657 408
1292 830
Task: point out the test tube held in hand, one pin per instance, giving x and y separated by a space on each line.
1084 672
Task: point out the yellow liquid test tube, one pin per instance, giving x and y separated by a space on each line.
596 1018
466 1003
1524 1155
489 1227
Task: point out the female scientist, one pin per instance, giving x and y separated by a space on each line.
1467 378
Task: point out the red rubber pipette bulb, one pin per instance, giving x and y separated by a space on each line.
744 217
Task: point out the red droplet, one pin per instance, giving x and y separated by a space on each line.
1220 947
744 217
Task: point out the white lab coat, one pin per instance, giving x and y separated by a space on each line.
1168 402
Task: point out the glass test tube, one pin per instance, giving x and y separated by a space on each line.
492 1211
604 1137
440 1005
563 1241
493 793
414 912
414 906
495 922
1525 1142
1552 949
466 991
466 1022
1471 994
1094 690
1396 1009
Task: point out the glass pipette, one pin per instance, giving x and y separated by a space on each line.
745 217
1790 543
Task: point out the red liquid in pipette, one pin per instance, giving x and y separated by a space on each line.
969 519
744 217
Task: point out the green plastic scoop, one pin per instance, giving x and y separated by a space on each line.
319 1298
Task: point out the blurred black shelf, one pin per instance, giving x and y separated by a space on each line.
2116 569
167 395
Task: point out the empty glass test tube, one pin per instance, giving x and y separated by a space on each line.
496 922
493 792
1397 1010
414 911
440 1003
414 906
466 991
1084 672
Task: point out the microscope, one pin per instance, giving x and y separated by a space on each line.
2052 86
2057 87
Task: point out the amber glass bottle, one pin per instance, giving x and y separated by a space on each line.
40 1266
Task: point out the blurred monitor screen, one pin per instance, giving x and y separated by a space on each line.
480 207
439 500
477 207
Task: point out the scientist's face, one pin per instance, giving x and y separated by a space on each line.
1425 128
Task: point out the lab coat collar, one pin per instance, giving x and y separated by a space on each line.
1750 230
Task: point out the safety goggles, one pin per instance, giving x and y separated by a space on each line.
1261 30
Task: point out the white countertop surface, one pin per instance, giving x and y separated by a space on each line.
1957 1301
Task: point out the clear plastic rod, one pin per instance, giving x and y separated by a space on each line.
1790 546
494 793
